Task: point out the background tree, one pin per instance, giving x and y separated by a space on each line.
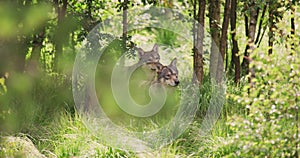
214 25
199 39
125 23
235 57
223 41
61 34
251 10
219 38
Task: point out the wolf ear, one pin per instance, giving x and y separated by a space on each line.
140 52
159 67
173 62
155 47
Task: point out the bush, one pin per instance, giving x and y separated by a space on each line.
32 102
271 128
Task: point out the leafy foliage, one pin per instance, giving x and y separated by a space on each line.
271 127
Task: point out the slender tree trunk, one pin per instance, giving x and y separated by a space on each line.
194 25
214 23
252 29
293 12
223 41
271 27
235 50
125 24
260 24
125 28
198 50
61 13
194 80
226 58
250 26
261 37
33 66
245 63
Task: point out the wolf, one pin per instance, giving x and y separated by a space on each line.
148 65
135 82
168 75
139 76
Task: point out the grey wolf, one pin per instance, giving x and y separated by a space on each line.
168 74
150 65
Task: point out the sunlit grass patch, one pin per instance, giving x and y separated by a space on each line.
67 136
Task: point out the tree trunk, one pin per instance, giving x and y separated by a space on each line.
125 24
235 50
226 58
33 66
125 28
250 26
245 63
223 41
214 23
271 27
198 50
293 12
261 37
252 29
194 26
260 24
61 13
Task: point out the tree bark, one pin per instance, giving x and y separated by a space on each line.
235 58
245 63
250 33
223 41
194 25
198 50
214 23
125 24
125 28
252 29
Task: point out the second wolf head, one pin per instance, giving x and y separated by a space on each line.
169 74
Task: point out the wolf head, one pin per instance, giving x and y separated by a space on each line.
169 74
149 57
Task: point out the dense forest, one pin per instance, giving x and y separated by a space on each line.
226 72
